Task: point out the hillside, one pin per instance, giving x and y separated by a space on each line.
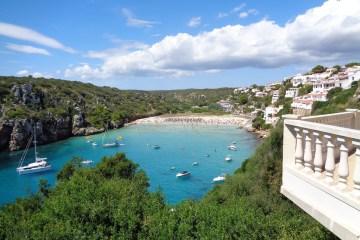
67 108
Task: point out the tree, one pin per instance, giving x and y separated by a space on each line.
318 69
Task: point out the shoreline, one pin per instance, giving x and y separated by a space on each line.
193 119
242 121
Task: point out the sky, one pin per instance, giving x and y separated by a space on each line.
163 44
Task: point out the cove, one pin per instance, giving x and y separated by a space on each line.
180 146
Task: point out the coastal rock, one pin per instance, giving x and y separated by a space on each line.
5 133
24 94
20 134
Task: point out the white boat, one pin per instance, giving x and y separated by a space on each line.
183 174
156 147
172 168
86 162
232 147
39 165
94 144
195 163
108 144
219 179
228 158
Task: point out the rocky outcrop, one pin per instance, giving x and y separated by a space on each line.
24 94
5 133
20 134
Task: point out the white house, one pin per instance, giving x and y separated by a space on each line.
225 105
260 94
292 92
270 114
303 105
275 96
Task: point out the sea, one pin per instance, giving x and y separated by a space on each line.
179 147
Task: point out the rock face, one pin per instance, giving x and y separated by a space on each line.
5 133
24 94
17 132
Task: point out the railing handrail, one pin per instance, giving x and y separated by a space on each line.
325 128
310 118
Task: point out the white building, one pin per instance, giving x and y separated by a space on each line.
260 94
303 105
270 114
275 96
225 105
292 92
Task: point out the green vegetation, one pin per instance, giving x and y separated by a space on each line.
102 105
338 100
111 201
318 69
303 90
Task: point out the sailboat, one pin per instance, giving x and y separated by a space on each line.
109 144
39 165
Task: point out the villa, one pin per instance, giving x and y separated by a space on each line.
270 114
226 105
302 105
321 169
260 94
275 96
292 92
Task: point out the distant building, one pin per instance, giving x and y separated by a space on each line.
292 92
226 105
275 96
270 114
303 105
260 94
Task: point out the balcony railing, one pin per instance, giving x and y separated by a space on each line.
321 155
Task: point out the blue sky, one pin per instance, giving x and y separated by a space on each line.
209 44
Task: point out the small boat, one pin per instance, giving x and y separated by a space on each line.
195 163
94 144
172 168
232 147
183 174
156 147
40 164
109 145
228 158
207 155
219 179
86 162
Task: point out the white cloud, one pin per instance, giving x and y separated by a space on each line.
194 22
243 15
238 8
132 21
247 13
27 34
232 11
27 49
330 32
25 72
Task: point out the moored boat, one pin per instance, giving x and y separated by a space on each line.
183 174
39 165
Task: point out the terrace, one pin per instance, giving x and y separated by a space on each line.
321 169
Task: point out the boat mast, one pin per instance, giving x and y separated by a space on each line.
35 141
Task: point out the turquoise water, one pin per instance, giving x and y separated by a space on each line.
180 147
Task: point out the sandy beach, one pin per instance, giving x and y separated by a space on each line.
196 119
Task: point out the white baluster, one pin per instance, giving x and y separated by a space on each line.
318 159
308 152
299 152
330 160
343 170
356 177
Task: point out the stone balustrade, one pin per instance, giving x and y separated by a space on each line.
323 150
321 169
